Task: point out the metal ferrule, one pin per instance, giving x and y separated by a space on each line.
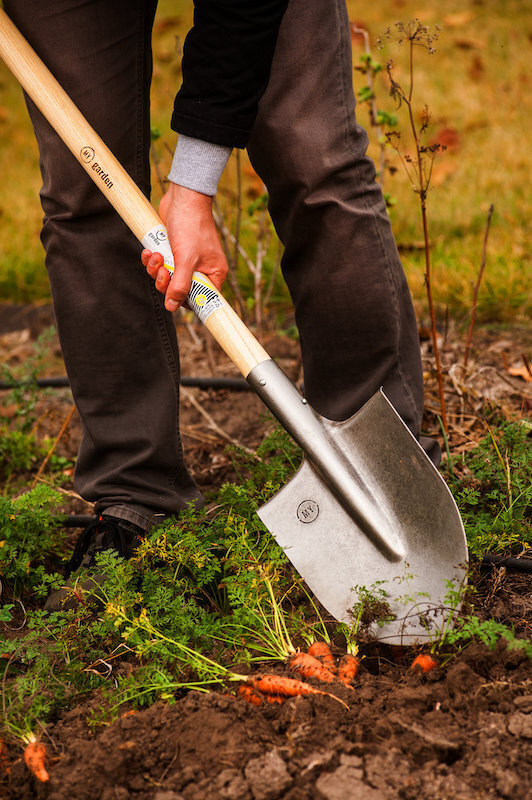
308 430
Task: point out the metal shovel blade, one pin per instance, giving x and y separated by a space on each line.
335 556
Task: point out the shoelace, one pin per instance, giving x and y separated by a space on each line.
116 537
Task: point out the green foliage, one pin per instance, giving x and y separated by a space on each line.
204 592
18 452
489 632
30 535
493 488
204 578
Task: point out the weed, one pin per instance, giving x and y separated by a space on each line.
489 632
379 119
30 537
493 488
418 167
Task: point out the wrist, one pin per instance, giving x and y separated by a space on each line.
189 198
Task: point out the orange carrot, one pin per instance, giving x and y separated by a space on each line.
309 667
322 651
277 684
425 662
287 687
34 756
348 668
257 698
4 759
248 693
274 698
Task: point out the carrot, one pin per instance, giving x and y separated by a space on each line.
425 662
34 756
287 687
4 759
348 668
309 667
257 698
322 651
277 684
248 693
274 698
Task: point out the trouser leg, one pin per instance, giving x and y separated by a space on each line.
118 342
353 308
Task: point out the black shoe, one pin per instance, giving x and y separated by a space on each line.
105 533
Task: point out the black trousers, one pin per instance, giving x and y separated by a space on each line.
353 308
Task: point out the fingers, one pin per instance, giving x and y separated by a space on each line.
213 266
195 245
155 268
152 261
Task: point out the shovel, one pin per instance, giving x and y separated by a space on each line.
367 511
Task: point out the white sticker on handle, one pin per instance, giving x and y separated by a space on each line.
156 240
202 298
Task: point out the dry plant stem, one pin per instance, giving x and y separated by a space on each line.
226 237
234 238
263 241
63 428
477 286
186 394
275 270
238 220
434 332
156 163
424 181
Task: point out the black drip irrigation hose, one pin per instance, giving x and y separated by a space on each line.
512 564
234 384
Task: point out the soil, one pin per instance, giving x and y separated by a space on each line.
460 732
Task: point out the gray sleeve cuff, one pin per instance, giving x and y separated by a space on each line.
198 165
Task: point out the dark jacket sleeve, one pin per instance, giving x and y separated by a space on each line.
227 59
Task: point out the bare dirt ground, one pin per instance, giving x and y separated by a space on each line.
462 732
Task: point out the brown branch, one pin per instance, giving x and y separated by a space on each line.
477 286
63 428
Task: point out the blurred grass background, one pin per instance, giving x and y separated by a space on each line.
476 87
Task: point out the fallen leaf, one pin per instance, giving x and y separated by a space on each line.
458 19
448 138
520 372
469 44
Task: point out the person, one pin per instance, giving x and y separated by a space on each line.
272 76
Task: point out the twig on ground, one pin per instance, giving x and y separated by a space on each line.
186 394
49 454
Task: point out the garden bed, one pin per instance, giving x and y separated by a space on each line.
459 732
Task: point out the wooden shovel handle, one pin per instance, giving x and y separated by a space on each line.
115 183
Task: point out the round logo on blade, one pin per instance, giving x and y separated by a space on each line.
307 511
